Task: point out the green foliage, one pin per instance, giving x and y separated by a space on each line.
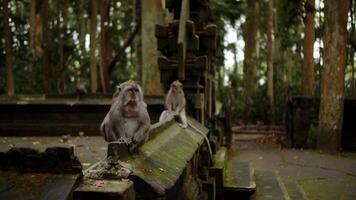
229 10
28 67
289 15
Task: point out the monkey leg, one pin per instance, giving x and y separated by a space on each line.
165 116
183 118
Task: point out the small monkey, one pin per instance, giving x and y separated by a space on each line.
81 88
127 120
175 104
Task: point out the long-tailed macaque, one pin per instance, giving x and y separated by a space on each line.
127 120
175 104
81 88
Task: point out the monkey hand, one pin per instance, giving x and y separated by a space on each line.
132 146
125 140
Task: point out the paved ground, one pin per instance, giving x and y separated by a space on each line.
300 174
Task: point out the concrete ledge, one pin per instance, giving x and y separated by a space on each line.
52 160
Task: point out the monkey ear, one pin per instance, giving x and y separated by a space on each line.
118 88
117 92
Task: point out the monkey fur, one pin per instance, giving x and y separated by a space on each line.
175 103
127 120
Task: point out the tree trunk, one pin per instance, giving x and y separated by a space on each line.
250 61
352 48
105 51
60 80
138 41
45 16
93 68
32 24
308 76
8 50
32 42
333 76
270 53
152 14
82 27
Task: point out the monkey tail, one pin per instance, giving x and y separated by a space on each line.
205 138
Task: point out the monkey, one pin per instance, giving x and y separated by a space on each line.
175 103
81 89
127 120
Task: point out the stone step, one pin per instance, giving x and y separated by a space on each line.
217 170
239 180
269 186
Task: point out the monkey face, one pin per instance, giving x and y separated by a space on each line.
131 95
176 86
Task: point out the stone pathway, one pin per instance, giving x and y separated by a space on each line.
300 174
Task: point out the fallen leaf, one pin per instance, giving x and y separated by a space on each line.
86 164
79 145
44 141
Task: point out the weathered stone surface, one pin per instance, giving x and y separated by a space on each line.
61 115
53 159
161 163
36 186
105 189
116 150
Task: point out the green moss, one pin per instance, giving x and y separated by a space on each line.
161 160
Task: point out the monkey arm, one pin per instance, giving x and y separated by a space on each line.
107 131
108 126
169 108
142 133
181 107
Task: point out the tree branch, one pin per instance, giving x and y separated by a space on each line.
121 52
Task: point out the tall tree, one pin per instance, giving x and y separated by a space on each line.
105 50
45 16
352 41
32 25
82 26
250 60
152 14
270 53
93 68
308 66
8 50
333 76
61 45
32 40
138 41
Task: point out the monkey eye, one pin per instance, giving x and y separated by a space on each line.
133 89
